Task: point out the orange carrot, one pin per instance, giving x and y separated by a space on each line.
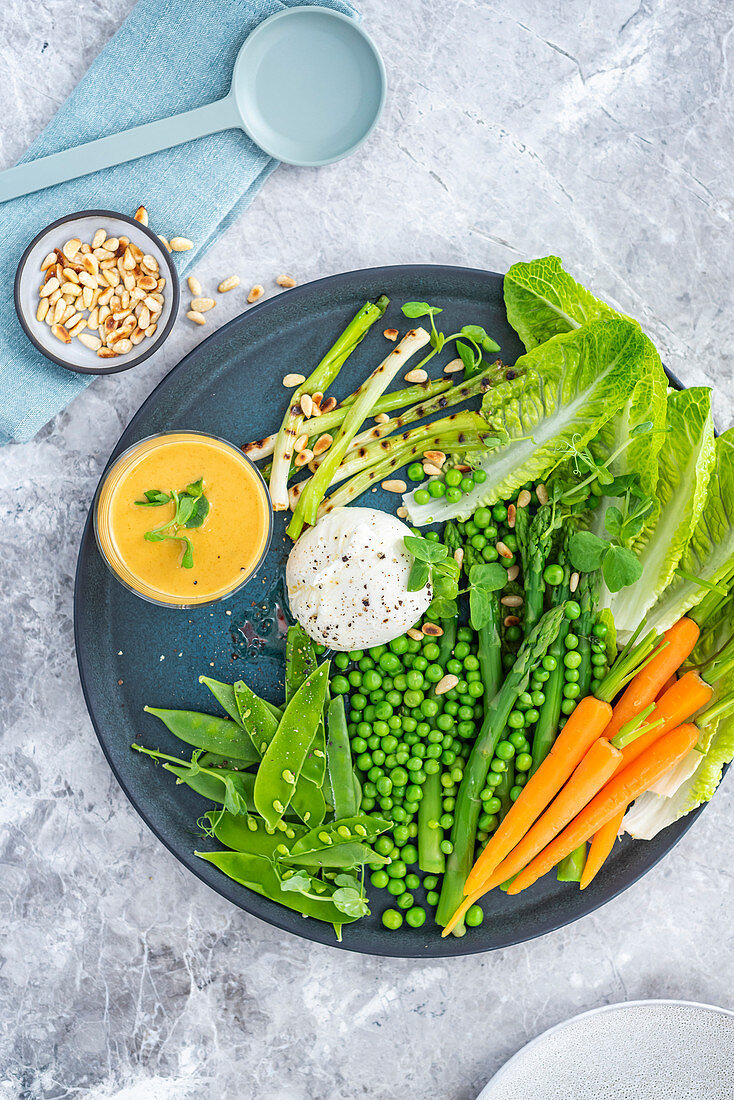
623 788
573 742
600 847
682 699
676 644
597 766
668 684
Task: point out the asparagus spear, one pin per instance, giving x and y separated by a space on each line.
546 728
430 857
379 380
468 802
535 539
319 380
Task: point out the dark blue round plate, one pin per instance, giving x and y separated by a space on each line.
131 653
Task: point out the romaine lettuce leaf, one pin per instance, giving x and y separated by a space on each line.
542 300
569 387
653 812
710 552
684 464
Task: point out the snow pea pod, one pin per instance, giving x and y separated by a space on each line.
282 763
308 802
206 731
248 834
217 760
362 828
258 874
344 856
300 662
212 784
255 716
339 756
225 696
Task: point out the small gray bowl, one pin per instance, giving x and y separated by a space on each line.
75 356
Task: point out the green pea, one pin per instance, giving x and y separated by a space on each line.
436 488
515 792
479 476
415 917
409 854
474 916
499 513
498 765
422 496
466 485
572 659
599 630
488 822
572 610
482 517
405 901
549 662
568 706
490 553
392 919
516 720
396 887
446 847
505 750
571 691
493 805
432 898
415 472
453 478
553 575
340 685
379 879
523 762
598 659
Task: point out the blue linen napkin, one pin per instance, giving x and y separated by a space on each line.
168 56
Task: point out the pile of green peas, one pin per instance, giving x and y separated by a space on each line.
452 483
400 734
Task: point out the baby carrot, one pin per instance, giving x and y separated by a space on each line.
676 644
622 789
573 742
600 847
597 766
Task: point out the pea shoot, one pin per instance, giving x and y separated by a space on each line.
191 510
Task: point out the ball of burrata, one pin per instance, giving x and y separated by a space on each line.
347 580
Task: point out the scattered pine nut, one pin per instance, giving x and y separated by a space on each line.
416 375
523 498
202 305
574 582
436 457
394 486
194 286
512 601
381 418
459 555
61 334
541 493
416 635
317 398
141 215
285 280
303 457
228 284
503 550
323 443
454 366
513 572
446 683
511 515
430 470
291 380
256 293
432 630
510 620
402 513
328 405
391 334
306 404
181 244
165 242
196 317
301 443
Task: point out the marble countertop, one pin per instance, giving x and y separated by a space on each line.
601 132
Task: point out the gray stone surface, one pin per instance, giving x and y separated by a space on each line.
600 131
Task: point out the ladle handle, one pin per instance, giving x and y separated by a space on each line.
118 148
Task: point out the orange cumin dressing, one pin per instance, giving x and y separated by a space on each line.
227 547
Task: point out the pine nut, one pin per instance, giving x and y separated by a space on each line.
454 366
61 334
394 486
122 347
416 375
79 327
401 512
510 620
430 470
523 498
71 248
256 292
503 551
99 238
181 244
194 285
89 341
149 264
301 443
436 457
60 307
291 380
196 317
70 275
513 572
111 244
328 405
459 555
106 353
202 305
141 215
306 404
43 308
302 458
511 515
151 330
446 683
285 280
165 242
416 635
228 284
382 418
432 630
573 583
323 443
541 493
49 287
49 262
391 334
512 601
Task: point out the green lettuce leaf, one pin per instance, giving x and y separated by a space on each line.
710 552
684 465
542 300
570 386
653 812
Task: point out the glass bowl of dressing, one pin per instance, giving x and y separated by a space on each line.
216 549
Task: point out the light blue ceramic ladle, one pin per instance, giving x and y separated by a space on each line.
308 88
